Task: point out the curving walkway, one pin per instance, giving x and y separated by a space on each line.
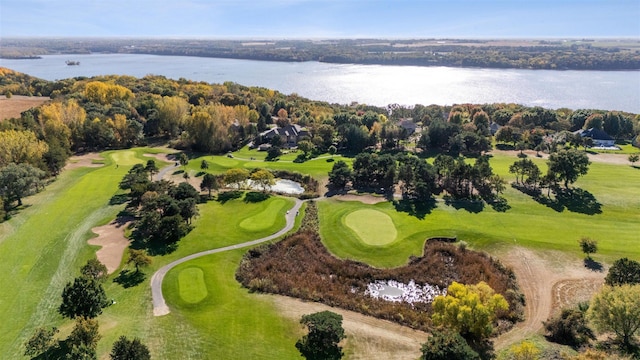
160 306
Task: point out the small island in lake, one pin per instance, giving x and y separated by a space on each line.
72 63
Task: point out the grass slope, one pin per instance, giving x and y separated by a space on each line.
527 223
43 246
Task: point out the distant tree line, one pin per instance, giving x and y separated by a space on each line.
112 112
533 54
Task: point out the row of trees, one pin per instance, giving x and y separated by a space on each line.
564 166
418 179
535 54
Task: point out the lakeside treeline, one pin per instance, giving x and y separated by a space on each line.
520 54
110 112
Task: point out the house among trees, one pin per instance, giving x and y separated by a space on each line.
494 127
408 125
289 134
599 137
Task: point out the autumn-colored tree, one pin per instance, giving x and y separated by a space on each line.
526 350
103 93
468 309
263 178
236 177
21 147
616 309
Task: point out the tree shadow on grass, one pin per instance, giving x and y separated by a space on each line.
499 204
223 197
418 209
593 265
256 196
472 206
118 199
178 172
575 200
128 278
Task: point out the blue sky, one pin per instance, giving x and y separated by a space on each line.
321 18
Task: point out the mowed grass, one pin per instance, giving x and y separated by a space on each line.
317 167
373 227
191 285
527 223
232 322
266 218
43 246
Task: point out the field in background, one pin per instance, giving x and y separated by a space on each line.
11 108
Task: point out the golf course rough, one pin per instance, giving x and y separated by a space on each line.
373 227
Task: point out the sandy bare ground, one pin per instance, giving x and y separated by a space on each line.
365 199
11 108
549 280
111 238
170 158
367 337
84 160
617 159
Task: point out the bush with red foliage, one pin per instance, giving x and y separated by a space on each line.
300 266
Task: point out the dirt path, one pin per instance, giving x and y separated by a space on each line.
549 281
113 243
367 337
617 159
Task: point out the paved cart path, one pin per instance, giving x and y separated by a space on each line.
160 306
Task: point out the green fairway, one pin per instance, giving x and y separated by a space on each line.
230 322
43 246
191 285
212 316
266 218
373 227
527 223
251 159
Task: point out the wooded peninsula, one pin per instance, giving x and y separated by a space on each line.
549 54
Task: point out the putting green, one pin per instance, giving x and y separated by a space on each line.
373 227
266 218
127 157
191 285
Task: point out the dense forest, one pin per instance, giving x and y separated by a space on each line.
522 54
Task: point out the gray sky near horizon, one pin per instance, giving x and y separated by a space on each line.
321 18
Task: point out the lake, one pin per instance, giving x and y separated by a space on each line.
368 84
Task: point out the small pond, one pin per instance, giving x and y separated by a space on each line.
287 187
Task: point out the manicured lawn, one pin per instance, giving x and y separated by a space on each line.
43 246
266 218
317 167
373 227
230 323
527 223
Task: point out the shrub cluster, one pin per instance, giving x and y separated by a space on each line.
300 266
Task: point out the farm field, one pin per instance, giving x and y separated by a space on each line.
11 108
212 315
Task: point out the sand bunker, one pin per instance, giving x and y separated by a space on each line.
111 238
85 160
